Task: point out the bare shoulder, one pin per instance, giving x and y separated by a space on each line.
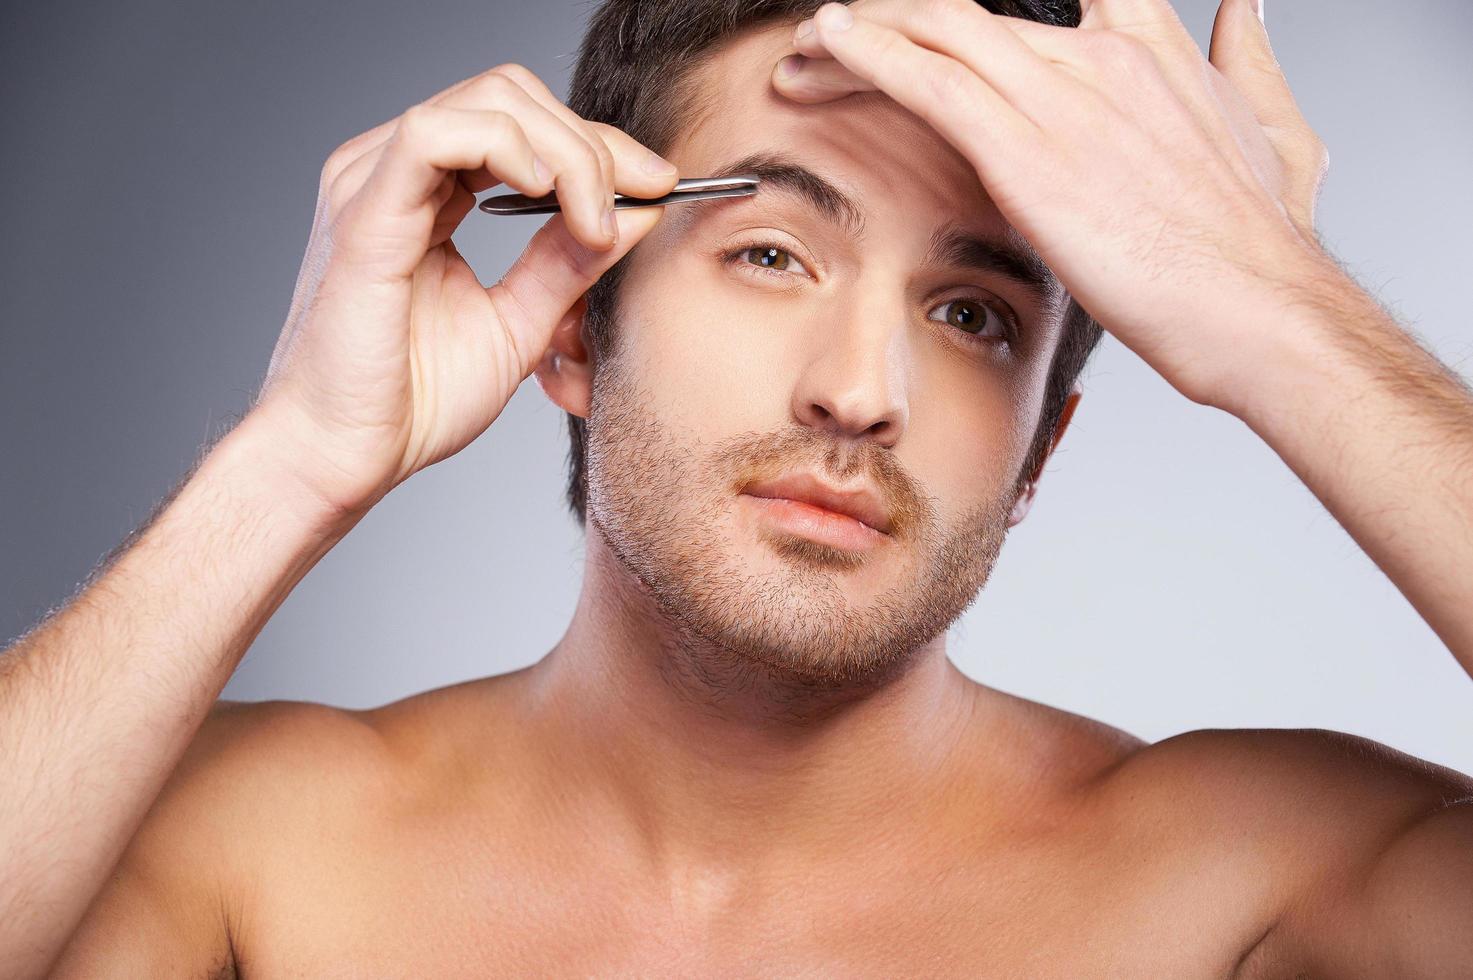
1285 779
250 795
1340 841
264 770
1302 800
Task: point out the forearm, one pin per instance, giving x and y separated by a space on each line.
1382 433
98 704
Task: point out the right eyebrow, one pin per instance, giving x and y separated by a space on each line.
787 176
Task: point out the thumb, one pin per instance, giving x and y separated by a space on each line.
553 272
1241 51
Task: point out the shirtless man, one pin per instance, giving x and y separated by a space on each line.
749 753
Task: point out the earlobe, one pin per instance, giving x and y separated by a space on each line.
565 373
1021 505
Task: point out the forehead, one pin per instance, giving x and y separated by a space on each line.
891 161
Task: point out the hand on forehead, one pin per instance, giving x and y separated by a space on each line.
869 145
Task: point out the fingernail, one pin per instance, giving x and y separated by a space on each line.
1258 9
656 164
804 29
610 228
789 66
839 17
540 169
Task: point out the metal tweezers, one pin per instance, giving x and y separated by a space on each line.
691 189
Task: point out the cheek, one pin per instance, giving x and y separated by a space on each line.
966 432
712 369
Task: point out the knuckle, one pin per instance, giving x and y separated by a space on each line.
593 160
339 235
1309 151
500 124
936 11
1119 51
949 82
888 44
515 73
602 131
1137 54
416 121
338 160
331 168
602 152
496 85
334 195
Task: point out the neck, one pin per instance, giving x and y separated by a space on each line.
713 759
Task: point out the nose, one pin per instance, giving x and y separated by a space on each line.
854 380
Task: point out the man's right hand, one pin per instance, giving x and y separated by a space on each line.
394 356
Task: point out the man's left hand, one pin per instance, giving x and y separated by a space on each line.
1173 195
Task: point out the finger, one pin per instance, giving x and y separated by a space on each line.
817 80
482 177
1121 65
372 140
573 163
1066 48
388 223
582 166
566 141
1241 52
552 273
626 166
639 171
969 36
1125 13
458 203
959 104
351 179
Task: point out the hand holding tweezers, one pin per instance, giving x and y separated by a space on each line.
689 189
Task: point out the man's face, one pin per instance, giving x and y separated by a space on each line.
852 359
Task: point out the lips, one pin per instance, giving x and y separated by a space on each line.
860 503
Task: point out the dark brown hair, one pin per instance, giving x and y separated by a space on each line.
636 70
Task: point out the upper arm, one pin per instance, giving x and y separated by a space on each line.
1403 909
175 904
1351 858
150 921
162 910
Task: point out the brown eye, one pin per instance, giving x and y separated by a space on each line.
966 315
767 257
971 317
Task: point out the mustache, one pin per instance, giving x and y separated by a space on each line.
754 456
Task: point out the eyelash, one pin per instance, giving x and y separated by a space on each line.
1010 326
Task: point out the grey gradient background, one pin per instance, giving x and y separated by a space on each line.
160 164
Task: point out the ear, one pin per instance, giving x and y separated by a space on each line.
565 373
1025 499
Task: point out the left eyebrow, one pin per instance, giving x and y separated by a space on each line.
951 246
1010 256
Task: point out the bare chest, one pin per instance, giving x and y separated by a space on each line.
416 912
